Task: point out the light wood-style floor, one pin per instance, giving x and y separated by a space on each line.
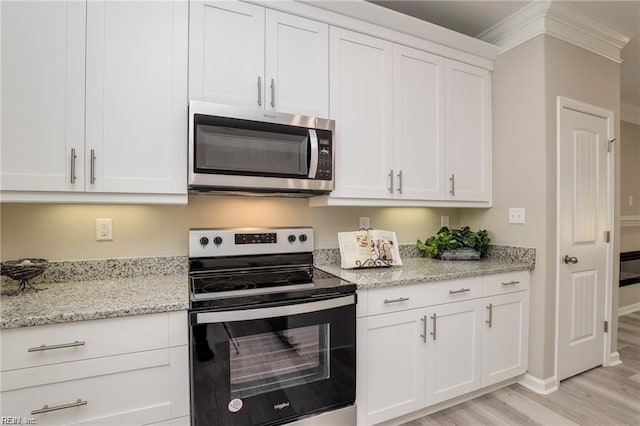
602 396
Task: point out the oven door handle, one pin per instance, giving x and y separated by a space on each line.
273 312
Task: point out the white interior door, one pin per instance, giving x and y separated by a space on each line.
583 202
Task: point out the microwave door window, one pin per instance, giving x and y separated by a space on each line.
224 150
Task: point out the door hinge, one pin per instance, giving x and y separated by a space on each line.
610 144
607 236
606 326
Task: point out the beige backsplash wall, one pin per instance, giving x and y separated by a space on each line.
67 231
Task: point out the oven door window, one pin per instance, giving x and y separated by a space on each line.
278 359
248 152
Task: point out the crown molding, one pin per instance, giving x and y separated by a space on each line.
630 112
559 20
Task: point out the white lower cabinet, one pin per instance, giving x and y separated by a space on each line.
411 357
70 382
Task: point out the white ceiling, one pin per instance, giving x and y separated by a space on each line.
472 17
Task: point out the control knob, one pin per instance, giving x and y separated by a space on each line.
303 237
291 238
217 241
204 241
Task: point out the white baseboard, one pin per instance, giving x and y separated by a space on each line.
624 310
543 387
614 359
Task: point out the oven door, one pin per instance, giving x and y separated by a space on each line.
271 365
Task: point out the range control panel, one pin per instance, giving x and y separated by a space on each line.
249 241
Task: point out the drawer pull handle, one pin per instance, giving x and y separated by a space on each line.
399 299
44 347
462 290
424 328
511 283
46 408
490 321
433 333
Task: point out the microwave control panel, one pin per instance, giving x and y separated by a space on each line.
325 159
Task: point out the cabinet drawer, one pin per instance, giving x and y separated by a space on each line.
22 347
125 389
507 282
398 298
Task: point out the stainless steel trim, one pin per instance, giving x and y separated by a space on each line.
73 165
259 91
46 408
92 178
313 161
490 322
399 299
510 283
346 416
400 182
424 328
44 347
273 94
251 292
390 181
570 259
452 179
278 311
462 290
434 318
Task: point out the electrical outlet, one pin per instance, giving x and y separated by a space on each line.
444 221
516 215
363 222
104 229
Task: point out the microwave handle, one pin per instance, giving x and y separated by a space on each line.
313 163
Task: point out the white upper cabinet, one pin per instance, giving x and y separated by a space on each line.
123 138
419 122
43 55
361 103
248 56
468 133
137 96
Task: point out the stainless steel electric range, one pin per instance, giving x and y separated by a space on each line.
272 340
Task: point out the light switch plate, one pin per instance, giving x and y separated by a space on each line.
516 215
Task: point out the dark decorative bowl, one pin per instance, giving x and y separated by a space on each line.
23 270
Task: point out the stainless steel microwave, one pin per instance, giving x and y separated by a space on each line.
264 152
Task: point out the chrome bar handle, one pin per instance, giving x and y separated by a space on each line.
259 91
399 299
400 182
46 408
93 167
452 179
390 181
273 94
433 333
44 347
424 328
490 308
73 165
510 283
462 290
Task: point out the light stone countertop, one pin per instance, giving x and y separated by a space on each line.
417 270
95 299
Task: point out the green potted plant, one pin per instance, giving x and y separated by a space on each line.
463 244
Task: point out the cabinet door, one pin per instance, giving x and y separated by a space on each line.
136 113
419 152
468 132
390 366
361 103
226 53
42 119
506 336
297 65
453 350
